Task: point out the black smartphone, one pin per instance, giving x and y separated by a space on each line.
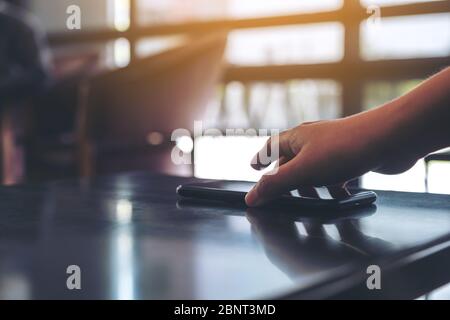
233 192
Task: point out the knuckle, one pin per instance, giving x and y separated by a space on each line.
294 143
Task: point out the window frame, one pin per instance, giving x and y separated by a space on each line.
352 72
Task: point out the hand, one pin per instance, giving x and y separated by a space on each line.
327 153
388 139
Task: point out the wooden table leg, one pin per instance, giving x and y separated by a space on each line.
12 154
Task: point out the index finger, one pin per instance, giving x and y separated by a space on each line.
275 147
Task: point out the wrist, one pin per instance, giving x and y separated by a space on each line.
385 135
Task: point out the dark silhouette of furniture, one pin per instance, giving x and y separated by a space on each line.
118 110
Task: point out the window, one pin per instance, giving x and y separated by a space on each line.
407 37
120 53
286 45
227 157
176 11
258 8
390 2
413 179
119 13
379 92
279 104
287 70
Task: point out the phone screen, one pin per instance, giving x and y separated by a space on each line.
237 186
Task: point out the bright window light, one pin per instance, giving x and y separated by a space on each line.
249 8
173 11
121 52
120 13
227 158
314 43
412 180
185 144
406 37
367 3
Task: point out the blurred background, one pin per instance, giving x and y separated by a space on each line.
139 69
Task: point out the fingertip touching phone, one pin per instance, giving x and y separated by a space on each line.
233 193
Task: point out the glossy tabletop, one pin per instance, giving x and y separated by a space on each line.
133 239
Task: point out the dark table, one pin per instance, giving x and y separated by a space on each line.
132 240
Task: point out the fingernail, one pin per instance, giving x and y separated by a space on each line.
251 199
